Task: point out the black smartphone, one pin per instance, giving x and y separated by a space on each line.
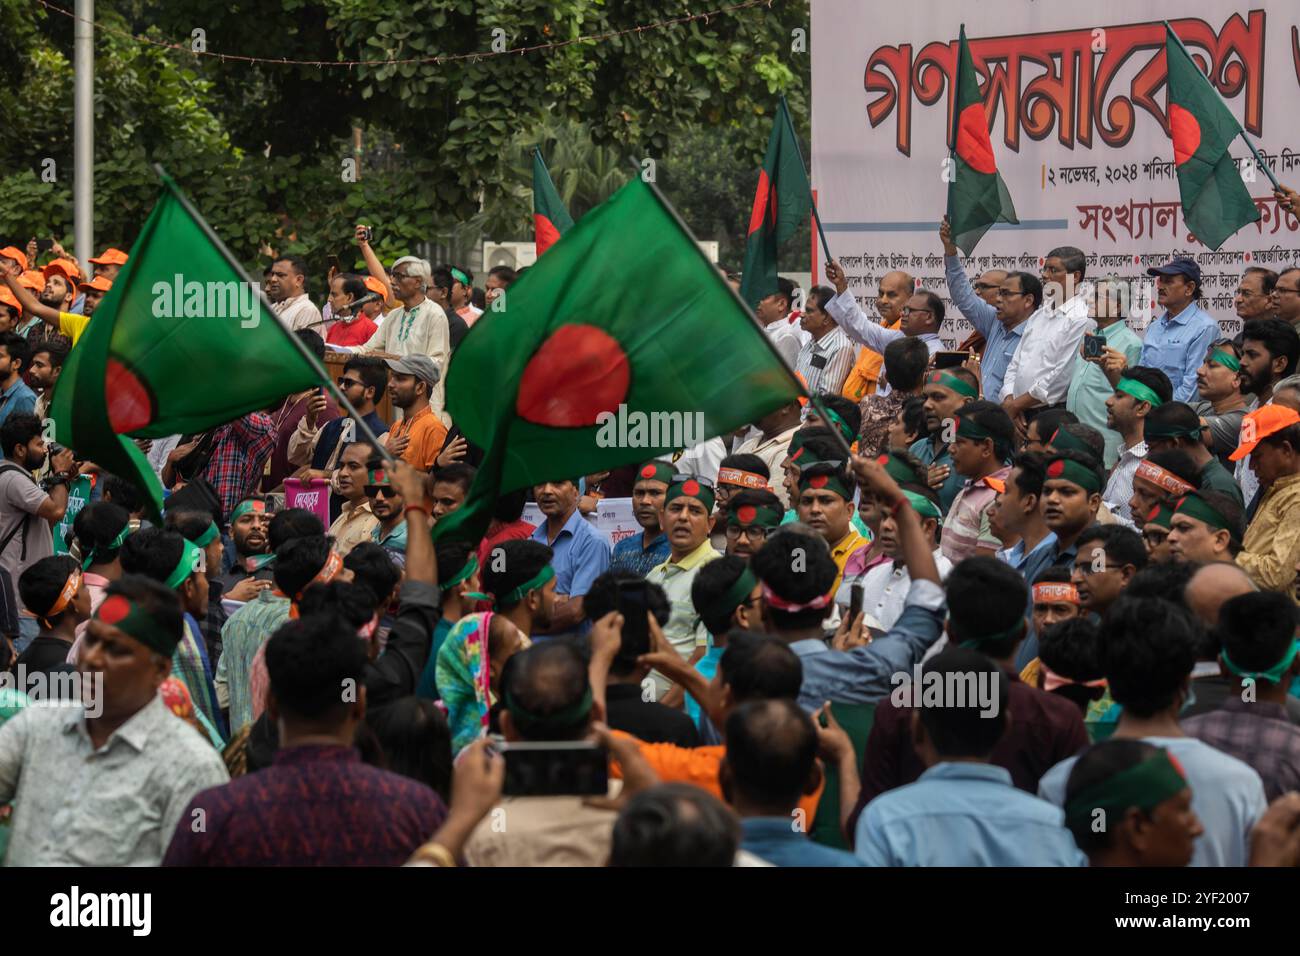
334 263
633 604
1093 346
368 233
44 245
950 359
555 768
855 603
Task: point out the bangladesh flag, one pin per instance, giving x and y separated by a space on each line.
593 367
977 196
1216 202
782 204
550 219
183 342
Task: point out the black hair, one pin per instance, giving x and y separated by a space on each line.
759 667
545 680
1099 763
57 351
372 566
786 289
798 568
121 492
519 561
934 304
292 523
1255 630
1178 462
1090 437
993 419
1232 512
353 284
1178 415
906 360
1050 420
1030 285
602 598
346 601
154 598
822 294
1053 574
986 597
1267 277
1031 472
18 429
1072 259
16 347
40 585
188 524
1163 579
373 373
297 561
1072 649
510 507
712 581
1153 379
457 473
771 752
297 263
451 557
1278 337
843 407
962 727
153 552
1118 542
747 463
821 443
674 824
310 662
416 742
913 416
96 526
506 274
1148 649
315 344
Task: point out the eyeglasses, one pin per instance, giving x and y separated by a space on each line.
985 286
907 310
1283 289
381 491
349 382
400 275
754 532
1008 293
1155 538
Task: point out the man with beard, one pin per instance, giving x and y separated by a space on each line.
945 391
420 434
1270 350
580 553
51 306
752 515
641 552
387 504
43 373
356 522
247 526
15 396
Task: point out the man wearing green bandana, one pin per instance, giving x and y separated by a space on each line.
1176 425
1220 385
752 516
248 524
1206 527
945 391
1138 392
641 552
1089 386
826 506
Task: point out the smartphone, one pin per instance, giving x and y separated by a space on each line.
555 768
44 245
334 263
1093 346
855 602
950 359
368 234
633 604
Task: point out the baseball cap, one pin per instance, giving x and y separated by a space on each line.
1182 266
374 285
110 257
421 366
16 254
7 298
99 284
66 267
1261 423
33 279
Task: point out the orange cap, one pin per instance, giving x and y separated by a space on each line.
374 285
66 267
33 279
7 298
1261 423
110 257
997 484
16 254
99 284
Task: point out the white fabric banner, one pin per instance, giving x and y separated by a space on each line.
614 518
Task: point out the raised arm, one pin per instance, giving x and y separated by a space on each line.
32 305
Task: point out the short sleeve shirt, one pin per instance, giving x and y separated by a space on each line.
20 498
72 325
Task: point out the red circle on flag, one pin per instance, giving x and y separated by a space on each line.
762 200
973 143
114 609
746 513
882 461
818 481
129 404
577 373
1185 132
648 471
690 487
1056 469
1151 515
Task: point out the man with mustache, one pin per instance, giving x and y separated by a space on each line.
581 554
248 527
641 552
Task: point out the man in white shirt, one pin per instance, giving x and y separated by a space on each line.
1039 373
773 312
775 430
885 587
286 287
826 357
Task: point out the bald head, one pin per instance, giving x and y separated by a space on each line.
771 756
895 289
1214 584
987 285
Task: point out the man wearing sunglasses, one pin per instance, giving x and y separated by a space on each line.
319 444
388 506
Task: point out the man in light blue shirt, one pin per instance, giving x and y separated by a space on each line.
1089 385
15 396
1177 341
962 811
1000 341
581 554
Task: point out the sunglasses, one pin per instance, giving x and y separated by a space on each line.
348 382
381 491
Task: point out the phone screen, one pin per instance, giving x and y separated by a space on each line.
855 602
950 359
555 768
633 603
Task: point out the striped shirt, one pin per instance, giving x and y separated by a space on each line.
966 529
825 363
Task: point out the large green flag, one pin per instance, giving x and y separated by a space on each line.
977 196
623 343
550 219
782 204
181 343
1216 203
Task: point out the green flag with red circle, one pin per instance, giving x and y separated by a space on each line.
623 343
977 196
1216 203
550 217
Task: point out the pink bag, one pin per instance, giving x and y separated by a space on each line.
312 495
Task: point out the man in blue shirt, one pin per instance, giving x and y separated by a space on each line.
1176 342
1001 338
15 396
641 552
963 811
581 554
771 762
945 392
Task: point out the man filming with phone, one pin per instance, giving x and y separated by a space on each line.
1113 346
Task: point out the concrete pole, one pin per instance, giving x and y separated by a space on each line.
83 143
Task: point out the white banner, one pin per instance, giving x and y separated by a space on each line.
614 518
1076 97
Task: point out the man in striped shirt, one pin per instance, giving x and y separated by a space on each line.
826 358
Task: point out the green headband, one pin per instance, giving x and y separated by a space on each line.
958 385
899 470
690 488
1170 430
120 612
1142 393
923 505
1015 630
746 516
1144 786
1067 441
831 415
1073 471
245 506
967 427
99 552
464 574
207 537
191 560
796 444
1194 506
528 721
1160 515
656 471
1273 675
538 580
825 479
460 276
734 596
1226 359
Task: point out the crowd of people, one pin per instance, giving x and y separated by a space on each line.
1031 601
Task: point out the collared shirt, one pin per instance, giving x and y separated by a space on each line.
966 529
392 541
1029 565
848 546
848 315
1089 386
299 312
1119 489
929 453
1227 795
1271 546
354 525
779 842
247 630
685 631
17 399
581 554
631 554
773 451
887 586
785 338
427 436
964 814
1258 734
1000 342
20 500
863 675
239 453
1045 357
115 806
824 363
1176 344
423 329
323 806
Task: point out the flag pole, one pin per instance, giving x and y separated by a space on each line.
297 343
812 202
1241 130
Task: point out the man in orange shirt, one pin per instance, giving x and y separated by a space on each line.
420 434
895 289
